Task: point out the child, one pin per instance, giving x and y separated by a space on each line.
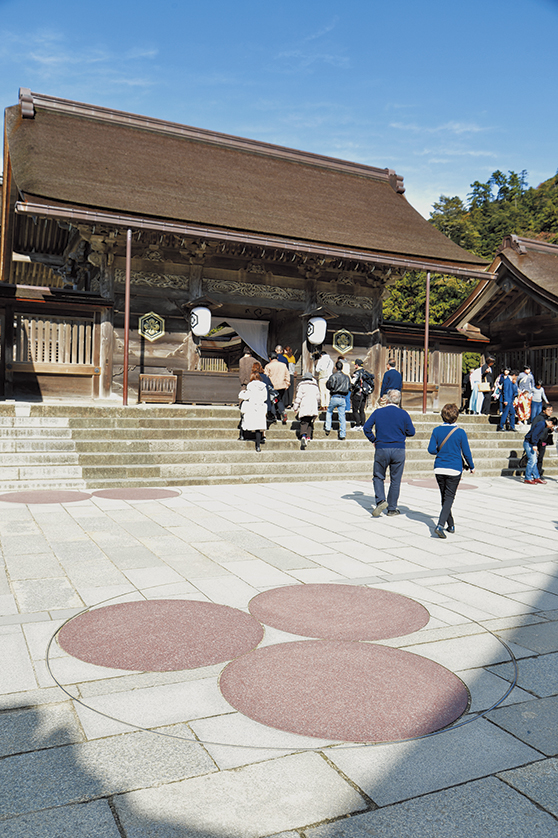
538 396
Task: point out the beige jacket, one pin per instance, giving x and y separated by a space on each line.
278 374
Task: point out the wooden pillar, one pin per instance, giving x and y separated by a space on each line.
434 376
106 352
8 354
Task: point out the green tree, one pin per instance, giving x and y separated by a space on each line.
500 207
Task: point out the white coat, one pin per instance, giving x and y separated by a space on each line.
254 406
307 398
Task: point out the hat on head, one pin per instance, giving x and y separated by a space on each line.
358 362
307 377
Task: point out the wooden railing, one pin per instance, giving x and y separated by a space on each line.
53 341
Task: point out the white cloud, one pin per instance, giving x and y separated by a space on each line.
447 128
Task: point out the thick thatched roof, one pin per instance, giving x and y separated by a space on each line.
66 153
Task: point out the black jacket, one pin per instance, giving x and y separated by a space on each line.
338 384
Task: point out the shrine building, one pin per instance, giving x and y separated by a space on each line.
265 237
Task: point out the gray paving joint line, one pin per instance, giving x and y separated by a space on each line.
526 796
339 746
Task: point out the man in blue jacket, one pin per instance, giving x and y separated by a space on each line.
392 380
509 393
388 428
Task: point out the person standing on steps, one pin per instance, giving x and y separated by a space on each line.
254 408
288 353
488 374
339 385
362 385
392 380
388 428
508 395
450 446
306 406
323 370
245 367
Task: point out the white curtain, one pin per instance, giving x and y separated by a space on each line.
252 332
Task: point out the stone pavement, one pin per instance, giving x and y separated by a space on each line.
127 753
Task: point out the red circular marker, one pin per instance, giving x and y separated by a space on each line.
348 692
136 493
430 483
45 496
339 612
160 635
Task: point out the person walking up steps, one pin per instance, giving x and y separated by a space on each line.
306 405
450 445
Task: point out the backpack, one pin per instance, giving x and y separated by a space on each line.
364 385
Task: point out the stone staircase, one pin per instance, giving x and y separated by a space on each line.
84 446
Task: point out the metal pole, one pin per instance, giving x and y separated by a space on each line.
127 317
426 319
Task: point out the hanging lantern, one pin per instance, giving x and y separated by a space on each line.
317 328
200 321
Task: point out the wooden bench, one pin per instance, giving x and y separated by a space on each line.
157 389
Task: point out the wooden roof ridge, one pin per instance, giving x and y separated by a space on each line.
29 101
521 245
510 255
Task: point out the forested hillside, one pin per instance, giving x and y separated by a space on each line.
501 206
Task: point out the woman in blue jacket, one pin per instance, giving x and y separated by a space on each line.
450 444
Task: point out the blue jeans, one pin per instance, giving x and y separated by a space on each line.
532 471
536 408
336 403
395 459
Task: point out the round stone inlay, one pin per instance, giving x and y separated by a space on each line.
136 493
160 635
430 483
339 612
45 496
349 692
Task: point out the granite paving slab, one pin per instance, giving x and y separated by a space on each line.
541 638
484 808
533 723
390 773
77 773
49 593
537 675
248 802
89 820
38 727
539 782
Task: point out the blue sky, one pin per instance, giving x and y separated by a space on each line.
442 92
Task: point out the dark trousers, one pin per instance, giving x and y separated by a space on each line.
508 412
395 459
447 484
358 405
289 393
306 426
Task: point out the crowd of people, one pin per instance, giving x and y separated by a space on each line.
333 387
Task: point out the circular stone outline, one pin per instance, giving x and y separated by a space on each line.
149 635
344 691
466 721
338 612
45 496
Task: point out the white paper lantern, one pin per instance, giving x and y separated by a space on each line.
200 320
317 329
